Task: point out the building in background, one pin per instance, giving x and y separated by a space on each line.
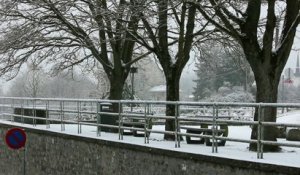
148 75
289 87
291 76
158 92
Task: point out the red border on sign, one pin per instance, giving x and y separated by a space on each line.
19 144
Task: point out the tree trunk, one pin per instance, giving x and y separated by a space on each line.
266 60
116 89
267 91
172 95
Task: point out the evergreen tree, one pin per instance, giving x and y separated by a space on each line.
216 66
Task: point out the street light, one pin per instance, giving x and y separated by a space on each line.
133 70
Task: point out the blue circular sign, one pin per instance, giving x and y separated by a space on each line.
15 138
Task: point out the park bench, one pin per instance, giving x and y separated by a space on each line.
204 129
30 112
135 120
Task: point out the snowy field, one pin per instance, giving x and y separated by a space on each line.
289 156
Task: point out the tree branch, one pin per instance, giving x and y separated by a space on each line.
128 64
270 26
79 32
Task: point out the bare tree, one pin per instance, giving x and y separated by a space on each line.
101 82
170 33
34 79
69 85
30 82
266 55
65 33
65 84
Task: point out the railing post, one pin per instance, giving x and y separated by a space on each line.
175 123
120 121
145 124
62 115
91 106
262 134
1 107
229 111
47 114
34 112
79 117
216 128
259 132
151 107
22 112
214 148
212 133
98 120
148 120
12 107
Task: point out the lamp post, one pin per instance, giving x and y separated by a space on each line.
133 70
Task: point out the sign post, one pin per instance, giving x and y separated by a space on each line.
15 139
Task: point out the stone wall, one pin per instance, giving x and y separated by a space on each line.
50 153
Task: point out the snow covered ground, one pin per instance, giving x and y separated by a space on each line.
289 156
289 117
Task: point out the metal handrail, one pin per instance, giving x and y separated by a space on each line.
61 109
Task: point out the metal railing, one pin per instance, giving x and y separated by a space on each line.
146 113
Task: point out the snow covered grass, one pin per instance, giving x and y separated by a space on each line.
289 117
289 156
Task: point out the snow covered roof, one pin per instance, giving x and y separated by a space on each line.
159 88
191 96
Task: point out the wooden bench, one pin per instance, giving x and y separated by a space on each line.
136 122
204 129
